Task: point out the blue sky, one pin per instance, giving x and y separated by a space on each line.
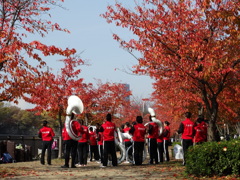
92 35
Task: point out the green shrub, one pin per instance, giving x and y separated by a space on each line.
214 158
176 142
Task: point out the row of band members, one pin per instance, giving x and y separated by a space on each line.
102 141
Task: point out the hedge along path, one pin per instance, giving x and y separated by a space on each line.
34 170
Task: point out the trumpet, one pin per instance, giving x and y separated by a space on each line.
75 106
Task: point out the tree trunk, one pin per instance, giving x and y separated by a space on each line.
212 113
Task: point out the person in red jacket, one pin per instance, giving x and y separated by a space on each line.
70 145
166 138
108 128
152 141
127 142
204 126
93 145
99 142
138 131
47 134
186 128
160 148
82 145
199 132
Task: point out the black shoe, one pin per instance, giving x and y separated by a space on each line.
49 164
73 167
42 163
64 166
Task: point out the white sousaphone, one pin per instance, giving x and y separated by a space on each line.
75 106
153 117
119 142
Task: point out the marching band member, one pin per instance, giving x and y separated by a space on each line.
100 142
70 145
138 131
82 145
108 128
93 145
166 138
127 142
152 141
186 128
160 148
199 132
47 134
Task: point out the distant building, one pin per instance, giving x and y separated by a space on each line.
127 88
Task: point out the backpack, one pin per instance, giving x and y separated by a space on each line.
7 158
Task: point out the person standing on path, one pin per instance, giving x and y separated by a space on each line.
127 142
166 138
82 145
138 131
186 128
108 128
70 145
100 145
93 145
152 141
160 148
200 135
46 134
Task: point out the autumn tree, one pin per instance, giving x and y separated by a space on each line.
22 62
51 91
190 48
106 98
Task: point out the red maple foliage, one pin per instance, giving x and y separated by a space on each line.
52 91
22 63
191 49
106 98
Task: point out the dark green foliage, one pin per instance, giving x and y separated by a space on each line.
15 121
214 158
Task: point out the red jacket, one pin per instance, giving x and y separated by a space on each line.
126 130
92 138
153 130
85 135
199 134
100 138
108 131
76 127
139 133
186 129
166 133
160 138
205 129
46 133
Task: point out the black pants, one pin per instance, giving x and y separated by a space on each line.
127 145
138 148
109 149
152 148
165 146
186 143
70 147
46 145
100 150
83 149
160 151
94 152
